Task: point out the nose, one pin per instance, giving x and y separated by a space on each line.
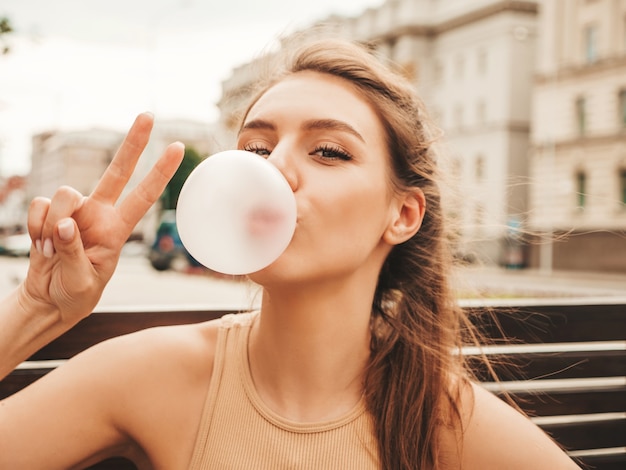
283 159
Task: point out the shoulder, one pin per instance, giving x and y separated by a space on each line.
152 360
159 360
158 380
495 435
185 352
144 387
168 344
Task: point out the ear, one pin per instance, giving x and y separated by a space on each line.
407 216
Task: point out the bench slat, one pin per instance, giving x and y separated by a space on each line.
548 365
552 323
589 434
601 459
574 401
101 326
18 380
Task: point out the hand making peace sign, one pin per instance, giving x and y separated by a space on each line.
77 239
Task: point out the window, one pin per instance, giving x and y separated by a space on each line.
459 66
581 189
438 71
482 62
622 185
591 46
480 112
479 216
457 169
581 115
458 116
480 168
621 103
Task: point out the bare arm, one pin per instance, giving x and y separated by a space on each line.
76 246
115 398
497 436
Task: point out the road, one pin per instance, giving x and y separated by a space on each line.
529 283
136 283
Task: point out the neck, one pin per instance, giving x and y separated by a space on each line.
309 349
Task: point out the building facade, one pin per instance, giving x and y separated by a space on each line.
79 158
578 157
13 205
76 158
472 63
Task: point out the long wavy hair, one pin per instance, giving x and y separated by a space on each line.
416 324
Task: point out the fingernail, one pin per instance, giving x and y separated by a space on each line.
48 248
66 230
38 246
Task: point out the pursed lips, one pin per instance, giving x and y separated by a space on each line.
263 221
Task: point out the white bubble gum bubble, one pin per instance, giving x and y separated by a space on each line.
236 213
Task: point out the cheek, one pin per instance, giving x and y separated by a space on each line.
337 230
359 216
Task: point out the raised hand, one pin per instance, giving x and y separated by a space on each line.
77 240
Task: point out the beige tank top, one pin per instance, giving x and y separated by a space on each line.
238 431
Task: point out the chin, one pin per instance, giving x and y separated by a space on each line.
284 272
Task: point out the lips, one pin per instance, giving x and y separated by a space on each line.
263 221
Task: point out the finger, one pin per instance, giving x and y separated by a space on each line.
69 247
79 283
64 203
121 168
137 203
37 213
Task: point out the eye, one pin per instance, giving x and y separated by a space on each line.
258 149
331 152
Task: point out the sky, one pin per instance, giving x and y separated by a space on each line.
80 64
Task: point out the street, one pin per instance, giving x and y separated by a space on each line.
136 283
494 282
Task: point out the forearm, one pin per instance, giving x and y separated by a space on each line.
25 327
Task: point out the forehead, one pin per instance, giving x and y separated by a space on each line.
319 96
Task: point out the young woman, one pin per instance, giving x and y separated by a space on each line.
350 362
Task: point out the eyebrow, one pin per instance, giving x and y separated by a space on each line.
258 124
311 125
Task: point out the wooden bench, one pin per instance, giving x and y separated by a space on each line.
564 363
569 358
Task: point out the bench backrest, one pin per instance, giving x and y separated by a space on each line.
569 360
564 363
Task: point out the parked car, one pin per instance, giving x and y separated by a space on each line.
15 245
168 251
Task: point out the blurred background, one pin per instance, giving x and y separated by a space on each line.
531 96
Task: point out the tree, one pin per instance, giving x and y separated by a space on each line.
191 159
5 28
